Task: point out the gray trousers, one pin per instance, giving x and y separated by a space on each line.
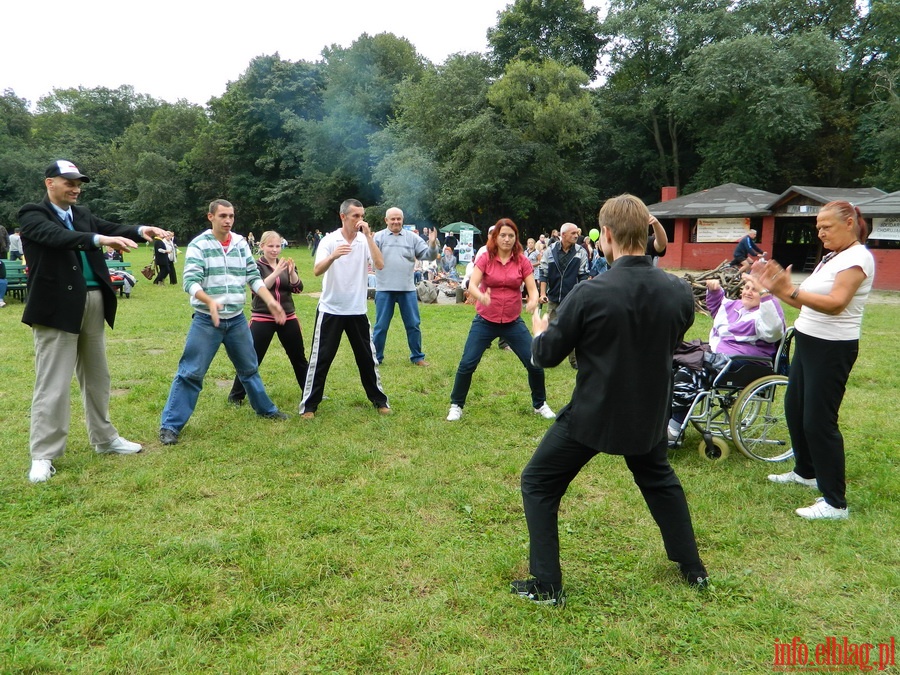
57 356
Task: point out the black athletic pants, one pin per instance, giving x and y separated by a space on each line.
326 339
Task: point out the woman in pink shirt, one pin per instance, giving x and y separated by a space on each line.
496 285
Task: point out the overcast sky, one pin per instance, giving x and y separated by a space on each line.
174 49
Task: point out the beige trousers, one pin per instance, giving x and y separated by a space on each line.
57 356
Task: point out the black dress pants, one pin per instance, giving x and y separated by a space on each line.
556 462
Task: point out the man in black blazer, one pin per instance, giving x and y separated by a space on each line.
624 326
70 295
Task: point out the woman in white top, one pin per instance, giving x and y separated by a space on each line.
826 344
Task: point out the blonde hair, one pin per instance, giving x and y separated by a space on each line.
268 234
627 218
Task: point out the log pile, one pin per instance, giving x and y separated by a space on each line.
728 276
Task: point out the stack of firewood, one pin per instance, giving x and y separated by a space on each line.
727 275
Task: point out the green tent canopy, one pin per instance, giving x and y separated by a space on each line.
458 227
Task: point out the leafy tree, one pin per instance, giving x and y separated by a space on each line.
742 101
550 114
254 136
150 179
876 80
359 100
85 118
787 18
646 44
419 154
535 30
21 164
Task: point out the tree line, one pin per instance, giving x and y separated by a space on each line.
564 110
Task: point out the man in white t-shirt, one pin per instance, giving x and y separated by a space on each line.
343 256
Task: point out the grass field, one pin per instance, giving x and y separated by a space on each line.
355 543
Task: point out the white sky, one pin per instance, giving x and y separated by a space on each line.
173 49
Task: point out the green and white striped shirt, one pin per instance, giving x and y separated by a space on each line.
221 273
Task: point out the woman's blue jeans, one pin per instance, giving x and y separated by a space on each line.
481 334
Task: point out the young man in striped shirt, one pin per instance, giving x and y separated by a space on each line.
217 265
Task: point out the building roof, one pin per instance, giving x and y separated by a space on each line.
728 200
881 207
823 195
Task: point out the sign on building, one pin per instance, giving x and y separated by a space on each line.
721 229
886 228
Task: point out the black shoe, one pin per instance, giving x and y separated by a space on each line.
695 575
167 437
277 415
234 400
531 589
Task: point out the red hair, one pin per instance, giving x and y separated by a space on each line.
846 210
495 232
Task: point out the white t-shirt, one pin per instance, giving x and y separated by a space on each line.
344 284
846 325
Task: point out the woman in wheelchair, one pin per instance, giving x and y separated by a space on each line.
751 326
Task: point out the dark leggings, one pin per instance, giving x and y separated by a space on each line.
292 341
816 385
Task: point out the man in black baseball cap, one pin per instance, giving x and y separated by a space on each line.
70 298
65 168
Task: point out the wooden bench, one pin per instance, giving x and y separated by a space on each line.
16 279
119 266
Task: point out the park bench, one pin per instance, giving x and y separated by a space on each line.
16 279
119 266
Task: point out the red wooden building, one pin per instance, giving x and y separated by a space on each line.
704 227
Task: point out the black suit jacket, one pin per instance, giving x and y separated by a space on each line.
56 287
624 326
160 255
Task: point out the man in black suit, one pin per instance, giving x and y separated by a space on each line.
624 326
70 295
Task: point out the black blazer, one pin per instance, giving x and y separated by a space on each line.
624 326
56 287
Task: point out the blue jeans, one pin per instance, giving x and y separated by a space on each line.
409 312
481 334
202 343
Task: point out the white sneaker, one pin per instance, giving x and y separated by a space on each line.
822 510
41 470
791 477
673 430
545 412
2 304
118 446
455 413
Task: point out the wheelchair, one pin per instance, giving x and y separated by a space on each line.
744 404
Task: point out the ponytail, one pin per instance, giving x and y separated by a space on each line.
845 209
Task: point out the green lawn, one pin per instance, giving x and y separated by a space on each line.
355 543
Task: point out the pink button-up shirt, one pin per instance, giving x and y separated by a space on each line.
505 282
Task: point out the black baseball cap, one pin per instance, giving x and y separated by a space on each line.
65 168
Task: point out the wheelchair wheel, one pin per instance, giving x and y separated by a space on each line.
717 453
758 425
